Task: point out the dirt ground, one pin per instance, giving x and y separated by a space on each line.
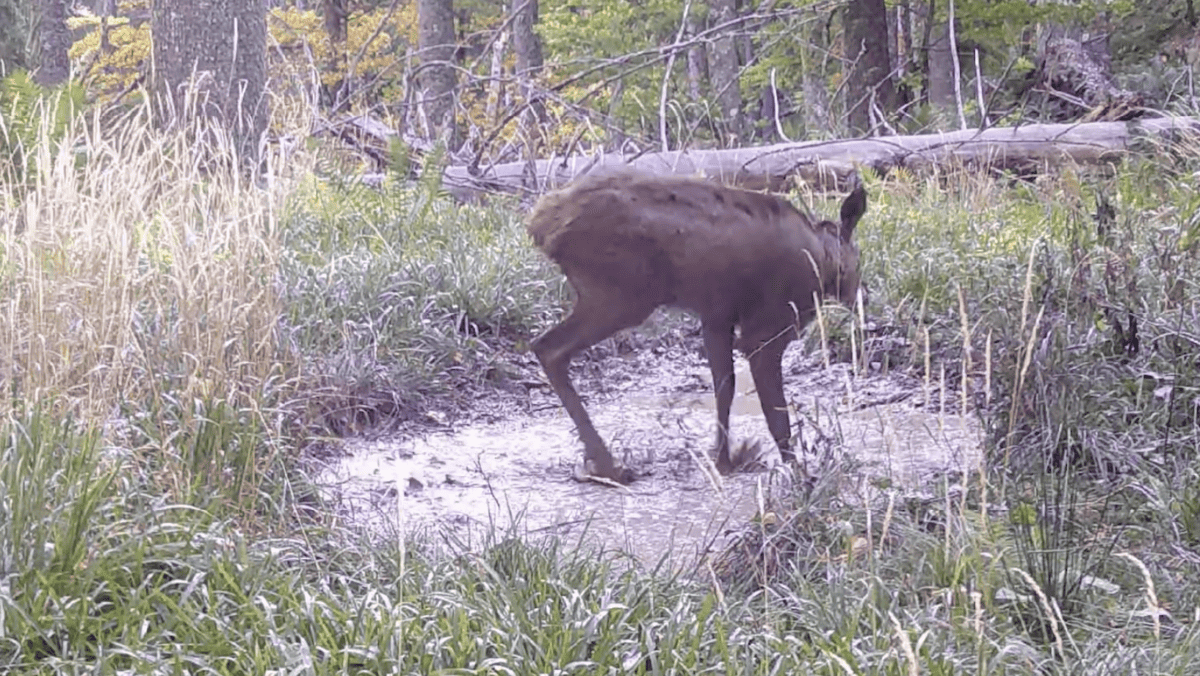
517 468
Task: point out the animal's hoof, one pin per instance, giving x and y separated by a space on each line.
725 465
747 455
608 473
625 476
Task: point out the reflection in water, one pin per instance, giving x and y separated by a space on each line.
520 470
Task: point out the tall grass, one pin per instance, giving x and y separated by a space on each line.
133 272
100 574
140 273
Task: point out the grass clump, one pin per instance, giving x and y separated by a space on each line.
102 574
1061 309
394 292
116 276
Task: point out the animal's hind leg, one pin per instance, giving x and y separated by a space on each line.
718 343
596 316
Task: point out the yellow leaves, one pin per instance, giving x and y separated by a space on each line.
294 27
84 18
113 52
379 41
111 58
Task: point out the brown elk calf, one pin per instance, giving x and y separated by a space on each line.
630 242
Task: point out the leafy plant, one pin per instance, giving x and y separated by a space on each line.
29 114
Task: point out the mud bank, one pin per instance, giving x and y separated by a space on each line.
658 416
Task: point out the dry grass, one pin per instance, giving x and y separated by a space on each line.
134 270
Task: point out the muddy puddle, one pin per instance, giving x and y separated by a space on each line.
660 420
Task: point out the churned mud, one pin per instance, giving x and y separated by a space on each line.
656 411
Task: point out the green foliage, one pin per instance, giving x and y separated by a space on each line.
1158 28
612 50
1011 252
381 40
1005 34
103 574
29 114
397 288
99 569
593 29
113 53
51 485
979 18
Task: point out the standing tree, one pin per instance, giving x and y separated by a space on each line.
55 38
335 14
528 48
939 68
869 82
723 68
14 29
210 62
435 40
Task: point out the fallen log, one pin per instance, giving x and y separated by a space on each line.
827 164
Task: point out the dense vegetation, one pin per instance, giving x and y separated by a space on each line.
166 329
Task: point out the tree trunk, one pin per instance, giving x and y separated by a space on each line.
14 26
902 57
335 13
435 38
869 81
209 61
55 38
528 48
816 106
497 91
104 10
526 43
904 14
941 66
723 70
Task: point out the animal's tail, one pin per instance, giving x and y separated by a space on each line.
552 214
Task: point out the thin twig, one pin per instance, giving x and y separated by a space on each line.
962 116
979 93
358 57
666 80
775 109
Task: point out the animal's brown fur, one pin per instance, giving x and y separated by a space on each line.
629 242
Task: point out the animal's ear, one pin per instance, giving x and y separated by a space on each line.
853 208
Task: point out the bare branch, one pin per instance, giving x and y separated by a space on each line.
666 80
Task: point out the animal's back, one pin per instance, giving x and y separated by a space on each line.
681 217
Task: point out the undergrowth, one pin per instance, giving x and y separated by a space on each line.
395 293
171 329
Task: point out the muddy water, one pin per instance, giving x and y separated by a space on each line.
661 422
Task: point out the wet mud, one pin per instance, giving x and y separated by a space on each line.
657 413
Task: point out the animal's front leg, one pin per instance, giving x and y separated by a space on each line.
767 370
718 342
